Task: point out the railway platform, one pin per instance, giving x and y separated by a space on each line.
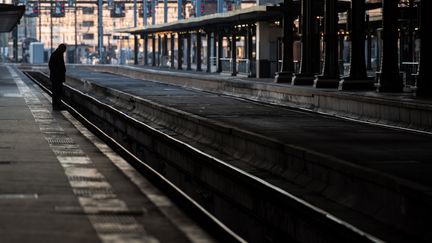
59 183
393 109
279 169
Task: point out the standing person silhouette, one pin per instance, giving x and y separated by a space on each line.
57 76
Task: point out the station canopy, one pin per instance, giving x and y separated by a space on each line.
243 16
9 16
237 17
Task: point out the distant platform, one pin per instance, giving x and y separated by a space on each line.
403 110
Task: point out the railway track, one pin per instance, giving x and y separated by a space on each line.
255 209
211 224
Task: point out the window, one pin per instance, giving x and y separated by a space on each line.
88 23
88 10
88 36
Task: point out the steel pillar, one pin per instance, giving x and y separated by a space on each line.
389 78
285 75
198 51
330 77
357 79
306 75
424 83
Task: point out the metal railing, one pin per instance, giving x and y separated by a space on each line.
213 61
410 70
243 66
226 64
296 65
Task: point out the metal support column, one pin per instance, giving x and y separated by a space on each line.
165 11
306 75
179 51
76 57
316 44
136 46
179 9
172 50
389 79
369 45
51 29
219 51
330 77
214 44
410 33
233 53
136 49
15 44
164 49
424 84
250 48
100 32
357 79
145 7
341 54
209 45
287 69
15 37
40 20
153 14
146 49
188 51
153 50
159 47
198 51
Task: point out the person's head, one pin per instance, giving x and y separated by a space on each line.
62 47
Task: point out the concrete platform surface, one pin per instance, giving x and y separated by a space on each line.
395 109
58 183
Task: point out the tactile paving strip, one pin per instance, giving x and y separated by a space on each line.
124 224
84 178
69 152
59 140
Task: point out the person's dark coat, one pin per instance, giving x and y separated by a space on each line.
57 77
57 67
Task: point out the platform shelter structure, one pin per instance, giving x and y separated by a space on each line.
345 45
